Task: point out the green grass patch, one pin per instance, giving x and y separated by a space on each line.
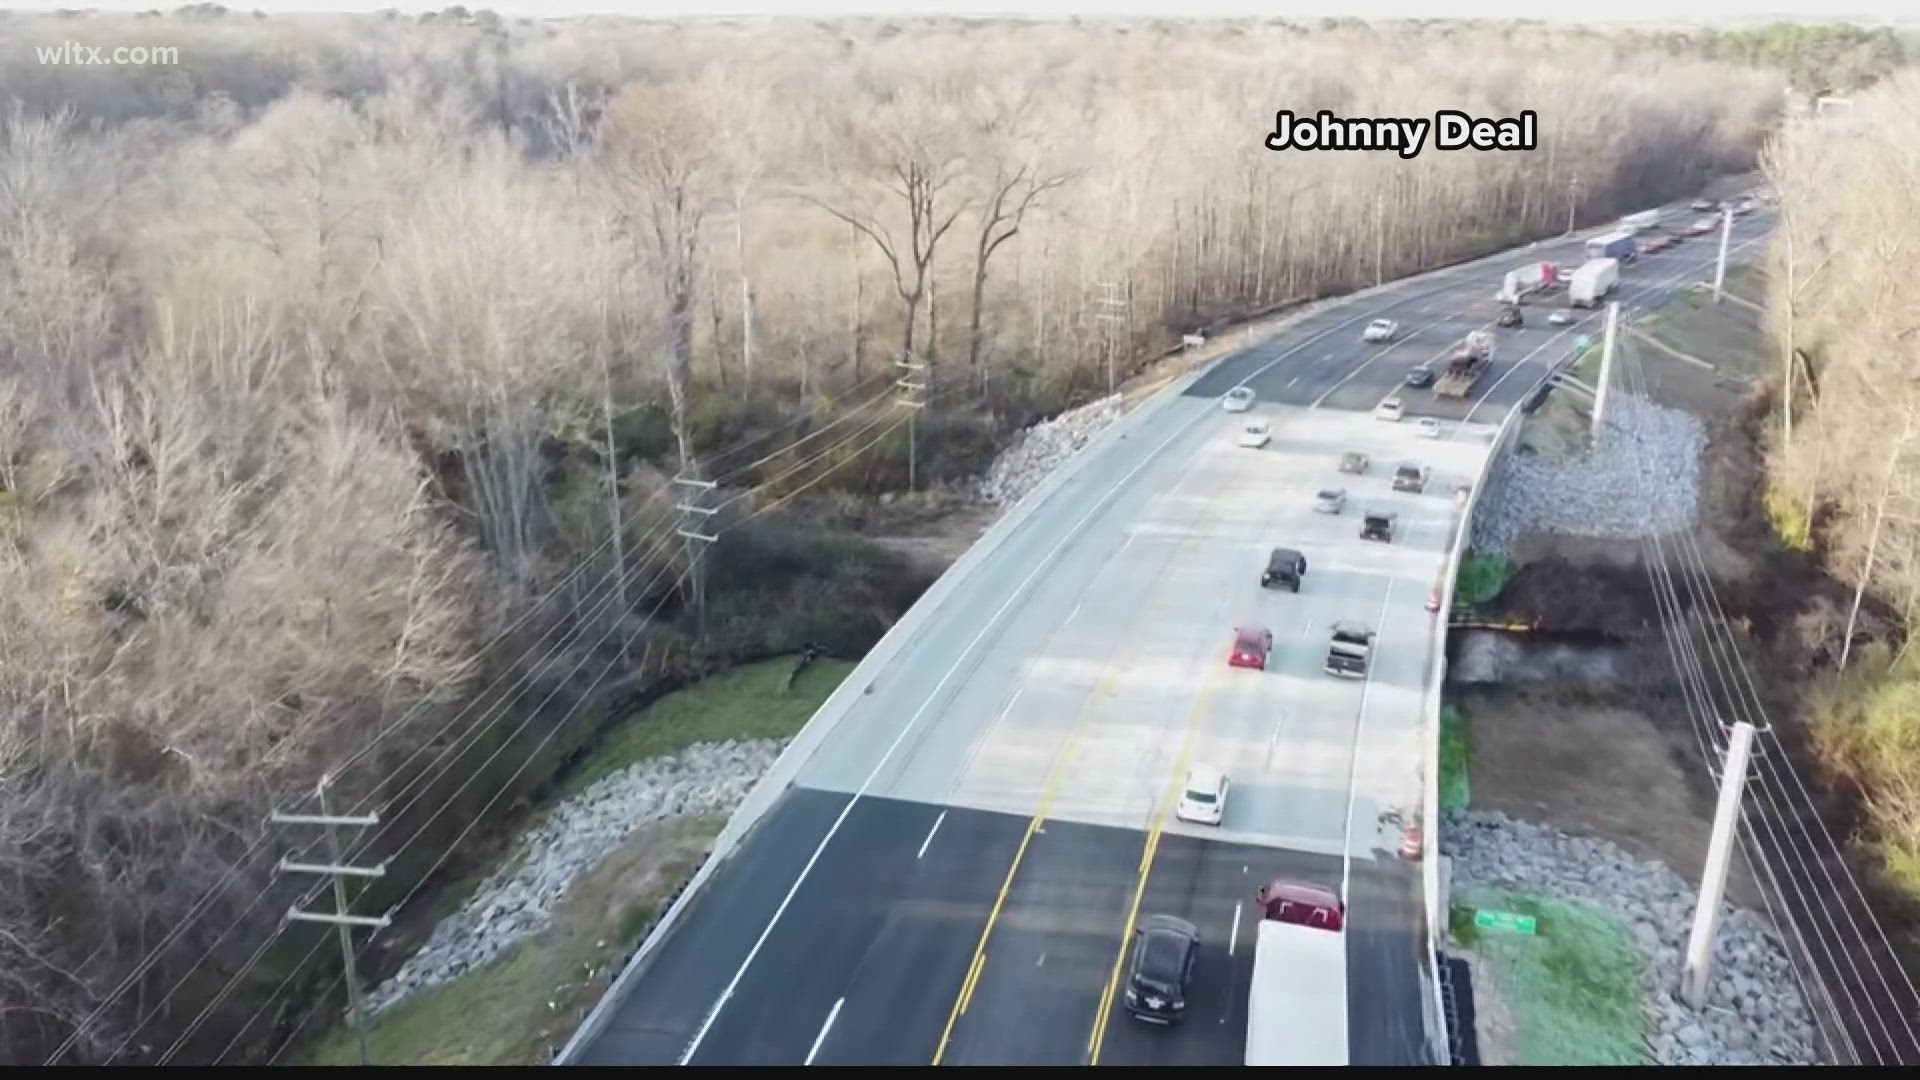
493 1015
748 702
1572 986
1456 752
1481 578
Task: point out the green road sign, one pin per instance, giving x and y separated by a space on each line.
1503 920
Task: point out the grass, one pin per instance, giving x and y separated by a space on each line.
1573 986
748 702
521 1006
1481 578
517 1009
1456 751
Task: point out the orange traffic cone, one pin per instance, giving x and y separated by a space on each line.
1410 845
1433 600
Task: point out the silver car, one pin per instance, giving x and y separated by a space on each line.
1330 501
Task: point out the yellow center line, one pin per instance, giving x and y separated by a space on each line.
1108 683
1152 847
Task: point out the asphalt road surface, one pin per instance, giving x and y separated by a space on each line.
972 829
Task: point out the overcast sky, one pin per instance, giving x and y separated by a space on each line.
1610 10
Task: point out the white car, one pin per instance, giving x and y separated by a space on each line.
1330 501
1380 330
1204 798
1562 317
1255 435
1238 399
1429 428
1391 409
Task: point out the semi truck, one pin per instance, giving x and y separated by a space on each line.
1464 365
1527 280
1641 222
1615 245
1593 282
1297 1002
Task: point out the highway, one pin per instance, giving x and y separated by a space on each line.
970 830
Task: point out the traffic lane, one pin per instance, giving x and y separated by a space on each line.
1386 1020
880 968
665 1003
884 906
1338 328
1209 883
912 727
1046 965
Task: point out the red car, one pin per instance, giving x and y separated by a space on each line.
1302 903
1251 647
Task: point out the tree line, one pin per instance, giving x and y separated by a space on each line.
327 354
1845 436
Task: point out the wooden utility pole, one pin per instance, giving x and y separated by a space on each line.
695 521
338 917
913 387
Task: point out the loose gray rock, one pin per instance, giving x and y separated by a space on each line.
1642 479
574 837
1043 448
1757 1016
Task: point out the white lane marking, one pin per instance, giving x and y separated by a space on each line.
1041 961
1362 365
1353 756
1234 937
1076 612
930 832
1040 566
824 1028
1290 382
1663 283
1273 743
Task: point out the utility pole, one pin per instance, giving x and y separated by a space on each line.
1112 313
1720 267
1606 370
912 385
614 514
695 519
1573 199
1694 981
338 917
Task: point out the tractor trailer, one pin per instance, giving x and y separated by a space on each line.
1615 245
1464 365
1529 279
1297 1002
1593 282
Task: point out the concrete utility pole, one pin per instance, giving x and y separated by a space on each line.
695 518
1606 370
1720 267
338 917
1112 313
912 387
1694 983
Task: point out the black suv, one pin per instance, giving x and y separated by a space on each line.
1164 948
1285 568
1378 526
1420 375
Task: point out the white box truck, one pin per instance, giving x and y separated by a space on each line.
1641 222
1593 282
1297 1003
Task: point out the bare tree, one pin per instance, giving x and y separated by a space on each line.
1014 181
904 193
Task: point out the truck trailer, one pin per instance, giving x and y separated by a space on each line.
1465 365
1297 1002
1615 245
1641 222
1593 283
1526 281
